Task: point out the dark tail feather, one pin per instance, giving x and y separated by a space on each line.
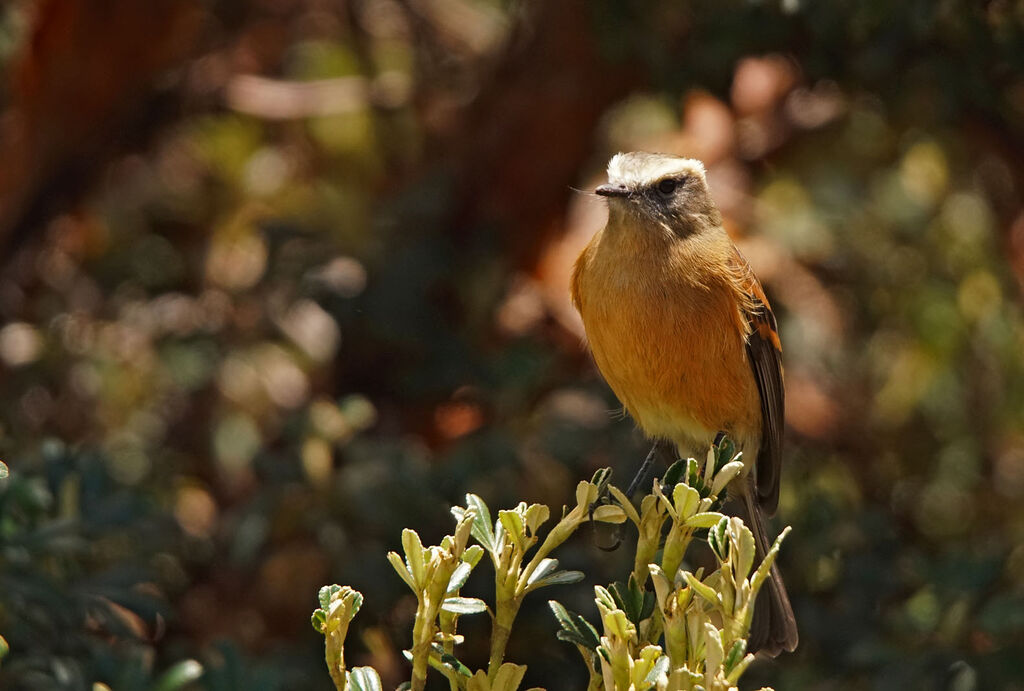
774 626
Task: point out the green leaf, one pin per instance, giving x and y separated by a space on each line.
482 530
625 504
563 615
472 555
402 570
739 648
601 478
500 542
414 559
569 637
515 527
509 677
633 600
355 602
536 515
185 672
604 598
452 661
674 473
714 654
662 587
737 671
326 593
705 591
620 596
746 550
618 624
648 607
707 519
459 577
464 605
319 620
724 453
545 567
725 475
660 667
692 475
558 578
575 629
718 539
685 500
365 679
609 513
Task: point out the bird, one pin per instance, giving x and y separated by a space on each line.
680 328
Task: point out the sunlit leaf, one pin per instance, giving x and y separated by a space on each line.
558 578
364 679
464 605
459 577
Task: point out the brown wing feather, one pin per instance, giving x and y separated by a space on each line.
765 353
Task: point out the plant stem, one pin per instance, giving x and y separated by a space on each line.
421 637
505 613
334 652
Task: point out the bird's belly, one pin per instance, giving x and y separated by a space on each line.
679 366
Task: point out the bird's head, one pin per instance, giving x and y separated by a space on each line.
668 191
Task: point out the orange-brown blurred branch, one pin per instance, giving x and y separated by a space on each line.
85 70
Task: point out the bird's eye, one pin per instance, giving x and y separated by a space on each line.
667 187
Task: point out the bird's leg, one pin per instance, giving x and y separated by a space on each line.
603 498
645 468
635 483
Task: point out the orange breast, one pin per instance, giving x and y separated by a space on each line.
671 347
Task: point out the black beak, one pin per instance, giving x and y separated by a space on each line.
608 190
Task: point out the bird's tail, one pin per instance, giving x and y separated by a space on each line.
774 626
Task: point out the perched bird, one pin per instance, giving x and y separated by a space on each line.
681 330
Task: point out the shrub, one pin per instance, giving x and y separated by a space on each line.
664 627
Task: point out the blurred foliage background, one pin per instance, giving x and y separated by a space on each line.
281 277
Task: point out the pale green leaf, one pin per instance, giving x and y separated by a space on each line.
705 591
413 547
545 567
708 519
509 677
625 504
725 476
536 515
558 578
402 570
364 679
459 577
609 513
464 605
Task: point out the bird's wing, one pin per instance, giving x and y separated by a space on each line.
765 353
